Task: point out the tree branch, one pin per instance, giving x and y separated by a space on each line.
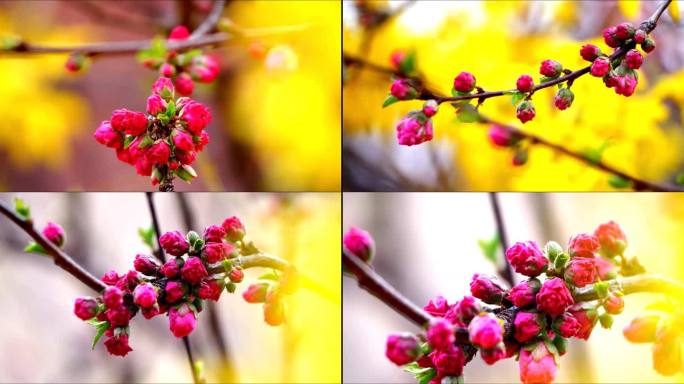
505 272
210 22
637 183
60 258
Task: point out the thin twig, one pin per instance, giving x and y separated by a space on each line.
505 272
191 359
159 251
210 22
60 258
637 183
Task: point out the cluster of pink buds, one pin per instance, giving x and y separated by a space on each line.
531 320
199 268
184 67
162 143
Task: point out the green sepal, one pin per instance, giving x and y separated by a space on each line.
145 142
517 97
162 116
391 99
601 289
171 110
100 328
619 182
606 320
467 113
34 247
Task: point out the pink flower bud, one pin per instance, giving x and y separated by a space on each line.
150 312
75 62
528 325
214 234
606 270
235 231
256 293
110 277
184 84
485 330
193 270
491 356
648 45
502 136
182 321
105 135
360 243
487 288
554 297
236 275
174 243
112 297
524 83
179 32
634 59
402 348
403 90
128 281
159 153
175 290
196 117
118 316
186 158
626 85
144 295
203 141
580 272
587 320
204 69
167 70
146 265
209 289
118 345
130 122
612 239
448 362
170 269
410 131
590 52
430 108
54 233
525 111
215 252
155 105
464 82
639 36
537 365
397 57
440 334
564 98
463 311
609 37
85 308
614 305
527 259
524 293
624 31
642 329
164 88
551 68
583 245
183 141
600 67
437 306
274 313
566 325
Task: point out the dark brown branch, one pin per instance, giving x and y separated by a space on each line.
210 22
159 251
637 184
191 359
505 272
60 258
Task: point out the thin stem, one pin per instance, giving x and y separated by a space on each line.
60 258
210 21
637 183
191 359
506 272
645 283
159 252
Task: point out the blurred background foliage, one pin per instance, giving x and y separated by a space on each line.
427 245
301 228
497 41
275 126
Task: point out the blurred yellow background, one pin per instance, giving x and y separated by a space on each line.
38 296
427 245
498 41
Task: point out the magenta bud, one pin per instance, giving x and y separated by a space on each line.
55 234
464 82
430 108
360 243
590 52
487 289
85 308
525 83
145 264
145 295
551 68
112 297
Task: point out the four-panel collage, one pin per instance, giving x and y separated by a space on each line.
341 191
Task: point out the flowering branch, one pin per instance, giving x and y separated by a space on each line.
211 20
636 183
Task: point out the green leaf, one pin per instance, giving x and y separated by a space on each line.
467 113
269 276
414 368
679 179
156 51
9 42
145 142
606 320
100 328
490 248
517 97
601 289
171 110
408 65
147 236
619 182
128 140
389 101
34 247
199 369
425 377
22 209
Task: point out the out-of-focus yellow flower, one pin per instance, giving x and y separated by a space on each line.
38 118
291 117
635 128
